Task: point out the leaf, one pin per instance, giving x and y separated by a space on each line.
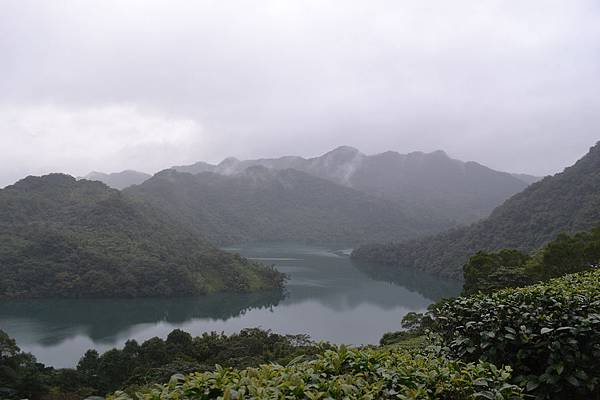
532 385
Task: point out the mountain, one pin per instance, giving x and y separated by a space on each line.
461 191
566 202
118 180
269 204
528 179
195 168
60 237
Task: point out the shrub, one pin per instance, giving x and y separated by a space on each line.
344 374
549 333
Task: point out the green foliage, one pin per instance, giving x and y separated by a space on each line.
156 360
344 374
566 202
390 338
568 254
548 333
152 362
405 341
414 335
20 374
488 271
65 238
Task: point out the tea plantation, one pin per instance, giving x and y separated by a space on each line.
548 333
345 374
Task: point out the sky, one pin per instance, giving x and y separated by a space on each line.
124 84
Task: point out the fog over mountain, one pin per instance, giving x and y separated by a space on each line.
566 202
145 85
118 180
261 204
450 189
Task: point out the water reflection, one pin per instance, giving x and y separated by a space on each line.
328 297
428 286
49 321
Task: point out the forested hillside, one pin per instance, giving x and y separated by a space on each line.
566 202
65 238
261 204
452 189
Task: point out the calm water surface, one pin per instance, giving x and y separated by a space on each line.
328 297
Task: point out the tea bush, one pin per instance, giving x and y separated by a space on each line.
549 333
345 374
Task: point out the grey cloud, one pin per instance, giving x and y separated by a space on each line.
511 84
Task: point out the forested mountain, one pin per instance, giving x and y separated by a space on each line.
461 191
60 237
267 204
118 180
566 202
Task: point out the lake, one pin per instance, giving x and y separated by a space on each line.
329 296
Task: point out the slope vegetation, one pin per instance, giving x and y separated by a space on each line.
65 238
548 333
566 202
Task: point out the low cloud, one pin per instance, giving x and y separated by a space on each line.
47 139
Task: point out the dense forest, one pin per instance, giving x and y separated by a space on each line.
429 183
65 238
261 204
489 271
566 202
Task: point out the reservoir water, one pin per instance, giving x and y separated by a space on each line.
328 296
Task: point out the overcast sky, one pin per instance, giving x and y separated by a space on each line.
109 85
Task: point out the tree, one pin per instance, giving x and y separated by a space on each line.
488 271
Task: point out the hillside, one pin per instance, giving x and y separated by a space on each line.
566 202
461 191
65 238
118 180
261 204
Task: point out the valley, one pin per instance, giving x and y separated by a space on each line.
299 200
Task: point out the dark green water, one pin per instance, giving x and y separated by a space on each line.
328 297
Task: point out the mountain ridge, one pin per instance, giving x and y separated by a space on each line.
467 191
565 202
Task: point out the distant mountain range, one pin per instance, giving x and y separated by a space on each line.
118 180
461 191
343 196
566 202
60 237
262 204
